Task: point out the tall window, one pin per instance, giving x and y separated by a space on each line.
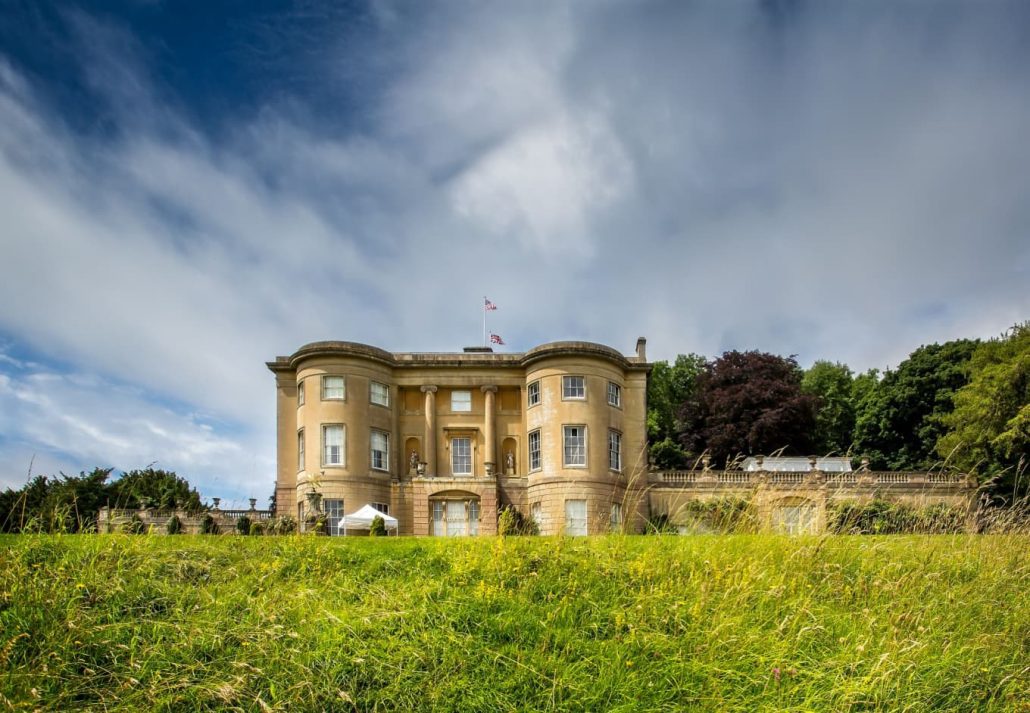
381 507
616 518
533 394
300 392
333 388
380 459
536 511
614 394
614 450
534 450
573 387
379 394
576 517
300 450
332 444
333 515
455 518
575 442
461 456
461 401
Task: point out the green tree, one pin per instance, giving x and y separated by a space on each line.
154 487
668 388
833 384
378 527
989 428
899 422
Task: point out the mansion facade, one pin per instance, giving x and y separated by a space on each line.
443 441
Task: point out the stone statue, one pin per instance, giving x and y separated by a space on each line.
509 462
413 460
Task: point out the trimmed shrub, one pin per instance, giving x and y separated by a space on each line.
282 525
208 526
511 521
257 528
243 525
174 526
134 526
378 527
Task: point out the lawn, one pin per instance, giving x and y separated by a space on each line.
740 622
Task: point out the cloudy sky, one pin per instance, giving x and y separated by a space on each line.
187 192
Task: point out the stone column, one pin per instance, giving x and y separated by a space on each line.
490 439
429 448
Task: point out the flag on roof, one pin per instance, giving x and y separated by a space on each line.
488 305
496 339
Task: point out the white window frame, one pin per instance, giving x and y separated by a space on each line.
614 395
325 388
342 462
569 393
381 507
538 463
533 394
300 393
565 446
454 455
301 455
614 450
372 450
456 404
385 394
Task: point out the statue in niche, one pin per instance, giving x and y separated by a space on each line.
413 461
509 463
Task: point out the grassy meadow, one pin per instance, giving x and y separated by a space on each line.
738 622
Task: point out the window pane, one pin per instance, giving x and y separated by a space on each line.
300 393
614 450
576 517
457 518
300 449
333 510
575 445
574 387
461 401
332 440
381 507
534 450
380 458
474 517
614 394
534 393
461 456
333 387
616 519
380 394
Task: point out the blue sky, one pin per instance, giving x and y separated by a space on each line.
190 189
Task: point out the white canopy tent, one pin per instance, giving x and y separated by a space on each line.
362 520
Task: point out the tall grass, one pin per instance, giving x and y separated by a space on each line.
742 622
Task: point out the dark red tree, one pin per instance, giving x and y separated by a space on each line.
749 403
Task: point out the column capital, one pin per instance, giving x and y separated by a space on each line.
428 389
490 388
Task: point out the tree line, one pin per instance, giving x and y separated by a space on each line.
963 404
70 503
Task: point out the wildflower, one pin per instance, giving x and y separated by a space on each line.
776 674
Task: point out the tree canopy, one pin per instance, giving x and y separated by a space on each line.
833 385
68 503
748 402
989 428
899 423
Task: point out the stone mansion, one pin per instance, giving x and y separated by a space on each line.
443 441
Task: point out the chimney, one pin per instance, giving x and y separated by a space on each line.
641 349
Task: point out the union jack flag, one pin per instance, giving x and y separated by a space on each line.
488 305
496 339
